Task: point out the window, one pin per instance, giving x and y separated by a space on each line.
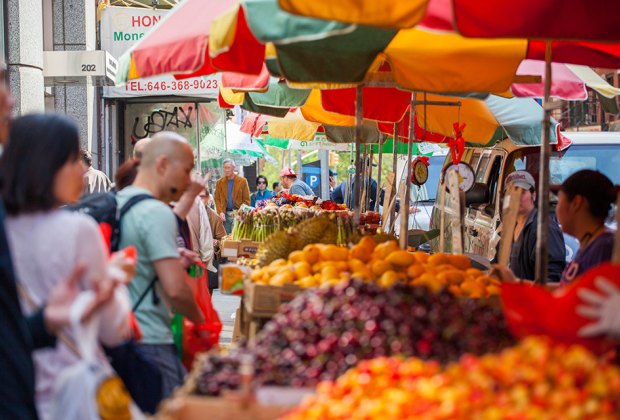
482 168
603 158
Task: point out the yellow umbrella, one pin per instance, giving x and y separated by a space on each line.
392 14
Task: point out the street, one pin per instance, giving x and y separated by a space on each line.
226 306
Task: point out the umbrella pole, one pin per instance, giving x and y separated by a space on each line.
363 207
358 144
395 171
542 243
369 186
404 207
381 142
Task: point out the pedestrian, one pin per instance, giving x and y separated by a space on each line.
276 187
217 225
201 235
295 186
341 195
523 250
584 203
231 192
41 170
151 226
126 174
218 232
138 148
95 181
262 193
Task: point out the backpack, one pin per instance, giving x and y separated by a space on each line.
138 371
103 208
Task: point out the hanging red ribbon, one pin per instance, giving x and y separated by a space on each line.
424 159
457 144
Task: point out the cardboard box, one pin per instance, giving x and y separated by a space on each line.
247 248
199 408
264 300
230 248
236 249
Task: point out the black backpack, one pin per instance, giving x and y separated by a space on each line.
139 371
103 208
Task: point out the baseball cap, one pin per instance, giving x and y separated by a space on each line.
287 172
521 179
332 173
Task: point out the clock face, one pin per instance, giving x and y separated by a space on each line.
420 173
465 173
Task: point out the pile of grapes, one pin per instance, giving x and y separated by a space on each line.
324 332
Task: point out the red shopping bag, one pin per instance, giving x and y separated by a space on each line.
534 310
200 338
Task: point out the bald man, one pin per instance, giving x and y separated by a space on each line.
151 227
138 148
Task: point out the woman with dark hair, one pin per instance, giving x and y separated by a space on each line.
40 170
584 202
262 193
126 174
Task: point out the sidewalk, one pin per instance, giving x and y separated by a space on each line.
225 306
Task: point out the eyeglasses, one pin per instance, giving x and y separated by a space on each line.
261 182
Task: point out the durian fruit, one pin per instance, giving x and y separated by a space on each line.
316 230
277 245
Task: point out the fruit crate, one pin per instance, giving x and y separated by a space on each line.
237 249
262 300
198 408
260 303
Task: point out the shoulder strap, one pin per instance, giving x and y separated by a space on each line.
131 202
121 212
143 295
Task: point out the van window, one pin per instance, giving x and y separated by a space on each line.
493 184
600 157
482 168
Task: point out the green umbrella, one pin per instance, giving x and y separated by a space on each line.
401 148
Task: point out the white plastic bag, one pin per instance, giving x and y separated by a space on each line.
76 388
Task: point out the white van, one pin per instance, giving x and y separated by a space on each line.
589 150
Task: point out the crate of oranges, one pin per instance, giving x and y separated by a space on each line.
385 263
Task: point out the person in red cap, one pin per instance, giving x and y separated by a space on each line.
289 181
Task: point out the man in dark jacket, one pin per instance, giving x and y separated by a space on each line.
523 251
21 335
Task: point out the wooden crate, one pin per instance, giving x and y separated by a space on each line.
199 408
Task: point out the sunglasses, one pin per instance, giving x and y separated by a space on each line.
262 182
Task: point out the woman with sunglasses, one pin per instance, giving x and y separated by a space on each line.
262 193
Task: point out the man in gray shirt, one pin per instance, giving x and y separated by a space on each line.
289 181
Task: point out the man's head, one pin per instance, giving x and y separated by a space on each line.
138 148
167 162
276 187
6 105
87 158
287 177
205 196
525 181
229 168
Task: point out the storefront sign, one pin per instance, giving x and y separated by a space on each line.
123 27
319 143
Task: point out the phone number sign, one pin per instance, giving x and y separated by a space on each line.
121 29
172 86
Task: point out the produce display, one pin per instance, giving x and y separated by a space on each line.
330 228
322 333
533 380
258 225
385 263
286 200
